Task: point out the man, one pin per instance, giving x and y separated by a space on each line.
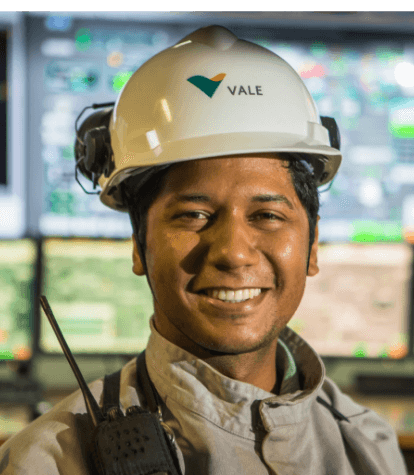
227 246
216 151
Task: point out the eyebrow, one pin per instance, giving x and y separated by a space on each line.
199 198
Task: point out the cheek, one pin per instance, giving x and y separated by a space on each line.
291 245
174 242
165 253
174 246
295 250
292 252
287 252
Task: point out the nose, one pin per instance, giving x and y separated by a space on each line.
231 243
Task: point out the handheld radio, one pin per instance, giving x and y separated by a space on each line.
138 443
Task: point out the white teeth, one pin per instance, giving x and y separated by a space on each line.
222 295
239 295
233 296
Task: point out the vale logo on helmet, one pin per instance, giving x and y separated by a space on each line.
209 86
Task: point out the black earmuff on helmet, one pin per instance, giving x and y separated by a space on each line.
93 152
334 136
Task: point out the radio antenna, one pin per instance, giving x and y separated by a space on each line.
91 404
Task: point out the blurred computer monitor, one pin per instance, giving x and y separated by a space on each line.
359 304
101 306
362 79
17 288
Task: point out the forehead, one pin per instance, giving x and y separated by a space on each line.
236 162
234 175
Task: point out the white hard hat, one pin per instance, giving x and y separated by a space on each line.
212 95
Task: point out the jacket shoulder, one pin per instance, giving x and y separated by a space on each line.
371 442
341 401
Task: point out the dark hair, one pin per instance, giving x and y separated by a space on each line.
139 203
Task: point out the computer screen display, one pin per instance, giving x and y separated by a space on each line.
358 305
365 83
17 283
74 63
100 305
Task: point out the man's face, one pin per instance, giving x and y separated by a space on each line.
231 239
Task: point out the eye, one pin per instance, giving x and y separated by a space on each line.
193 215
196 215
270 216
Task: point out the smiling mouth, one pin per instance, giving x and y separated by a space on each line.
242 305
231 295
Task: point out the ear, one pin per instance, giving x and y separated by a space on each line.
137 268
313 259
